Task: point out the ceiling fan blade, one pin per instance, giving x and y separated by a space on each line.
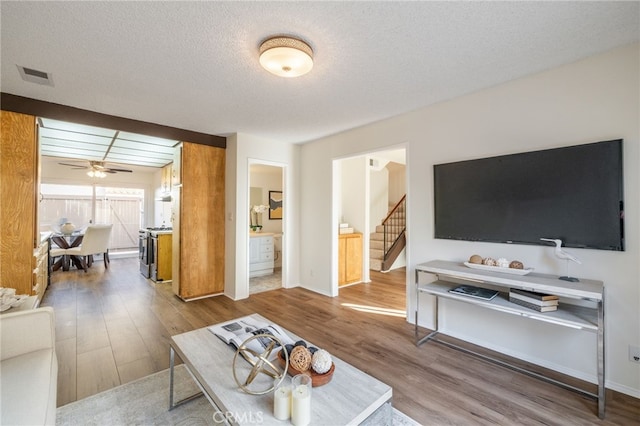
77 166
108 171
112 170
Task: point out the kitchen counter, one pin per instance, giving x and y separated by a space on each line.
260 234
164 232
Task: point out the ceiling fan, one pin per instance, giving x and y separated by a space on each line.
97 168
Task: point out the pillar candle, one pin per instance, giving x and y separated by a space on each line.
301 405
282 402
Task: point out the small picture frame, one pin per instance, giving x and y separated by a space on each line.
275 205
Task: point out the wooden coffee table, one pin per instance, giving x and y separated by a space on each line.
350 398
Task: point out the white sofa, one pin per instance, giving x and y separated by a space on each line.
28 368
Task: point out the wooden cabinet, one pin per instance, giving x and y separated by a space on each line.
176 167
161 264
19 181
41 269
165 256
198 221
261 259
349 258
166 179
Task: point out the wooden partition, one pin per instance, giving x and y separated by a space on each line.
199 222
18 201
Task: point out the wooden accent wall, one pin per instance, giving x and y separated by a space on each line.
202 214
18 198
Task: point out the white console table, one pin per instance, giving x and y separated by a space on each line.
587 318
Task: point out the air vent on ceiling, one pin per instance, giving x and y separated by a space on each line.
35 76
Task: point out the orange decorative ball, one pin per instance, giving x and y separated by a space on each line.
300 358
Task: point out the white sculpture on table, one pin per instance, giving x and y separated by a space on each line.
561 254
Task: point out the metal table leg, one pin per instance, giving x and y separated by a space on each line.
171 368
601 388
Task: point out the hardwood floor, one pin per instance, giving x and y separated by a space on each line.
113 326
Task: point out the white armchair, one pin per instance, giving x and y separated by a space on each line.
29 379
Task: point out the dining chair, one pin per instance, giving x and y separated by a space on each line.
95 241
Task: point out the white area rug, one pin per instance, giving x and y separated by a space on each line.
146 401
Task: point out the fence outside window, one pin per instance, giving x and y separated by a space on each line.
83 205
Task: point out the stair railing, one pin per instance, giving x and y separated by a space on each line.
394 225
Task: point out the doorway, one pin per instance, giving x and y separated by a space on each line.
367 189
266 217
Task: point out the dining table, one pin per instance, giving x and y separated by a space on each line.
66 241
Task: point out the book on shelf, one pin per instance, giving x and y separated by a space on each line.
533 301
346 231
533 306
533 294
477 292
236 331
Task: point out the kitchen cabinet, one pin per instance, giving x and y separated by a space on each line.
21 248
176 167
261 260
41 268
166 179
198 221
349 258
161 263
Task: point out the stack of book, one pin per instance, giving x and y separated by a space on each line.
537 301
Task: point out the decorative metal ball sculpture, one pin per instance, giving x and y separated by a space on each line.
261 364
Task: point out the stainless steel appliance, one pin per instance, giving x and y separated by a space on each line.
152 248
143 252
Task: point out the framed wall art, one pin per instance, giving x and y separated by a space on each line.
275 204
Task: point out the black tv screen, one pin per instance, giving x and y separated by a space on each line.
573 193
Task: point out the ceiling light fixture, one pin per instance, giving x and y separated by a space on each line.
286 56
97 173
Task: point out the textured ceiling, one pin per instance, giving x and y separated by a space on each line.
194 65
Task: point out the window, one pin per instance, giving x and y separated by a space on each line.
86 204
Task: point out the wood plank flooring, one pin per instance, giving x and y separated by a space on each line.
113 326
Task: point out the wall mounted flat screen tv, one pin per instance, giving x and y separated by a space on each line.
572 193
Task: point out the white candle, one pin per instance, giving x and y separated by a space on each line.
301 406
282 402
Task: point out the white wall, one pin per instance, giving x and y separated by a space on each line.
379 197
397 181
591 100
241 151
354 189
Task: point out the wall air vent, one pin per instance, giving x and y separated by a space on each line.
35 76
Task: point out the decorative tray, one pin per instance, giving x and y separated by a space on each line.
498 269
316 379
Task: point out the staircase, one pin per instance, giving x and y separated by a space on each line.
389 239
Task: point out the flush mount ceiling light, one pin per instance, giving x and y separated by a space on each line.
286 56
